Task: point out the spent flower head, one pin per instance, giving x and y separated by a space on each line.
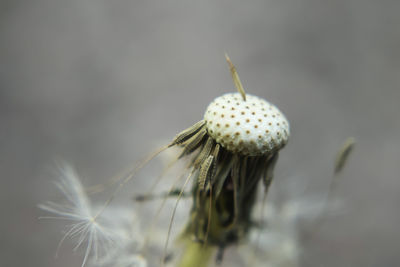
233 148
250 127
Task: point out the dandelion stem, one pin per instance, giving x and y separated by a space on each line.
196 255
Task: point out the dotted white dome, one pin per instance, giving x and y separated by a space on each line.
252 127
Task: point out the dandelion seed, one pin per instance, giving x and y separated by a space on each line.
343 154
91 230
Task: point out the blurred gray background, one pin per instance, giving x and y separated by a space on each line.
102 83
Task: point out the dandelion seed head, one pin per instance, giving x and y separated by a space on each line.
263 127
235 146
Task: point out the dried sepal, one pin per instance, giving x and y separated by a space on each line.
223 169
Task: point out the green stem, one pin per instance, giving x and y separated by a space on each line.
196 255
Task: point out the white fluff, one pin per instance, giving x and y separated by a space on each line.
100 232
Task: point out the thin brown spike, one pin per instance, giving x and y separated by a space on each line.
205 152
216 151
214 168
343 154
186 134
235 77
191 144
223 170
205 171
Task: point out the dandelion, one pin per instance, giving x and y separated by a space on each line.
235 146
230 151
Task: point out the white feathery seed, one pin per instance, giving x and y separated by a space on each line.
97 233
251 127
